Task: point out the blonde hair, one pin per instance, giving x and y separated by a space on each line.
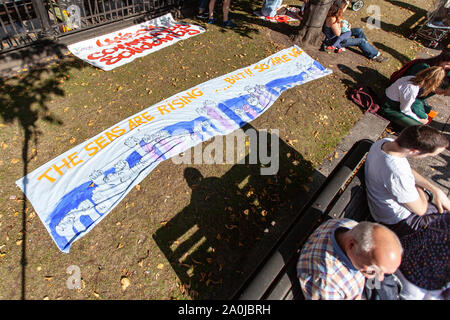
429 79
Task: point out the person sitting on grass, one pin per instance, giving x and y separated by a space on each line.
398 196
227 23
408 94
413 67
341 255
271 8
333 31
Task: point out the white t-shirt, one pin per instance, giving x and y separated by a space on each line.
405 92
390 183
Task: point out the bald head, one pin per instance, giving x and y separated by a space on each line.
387 249
373 249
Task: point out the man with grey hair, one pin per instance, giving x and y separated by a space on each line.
342 254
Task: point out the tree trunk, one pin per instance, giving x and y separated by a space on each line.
310 31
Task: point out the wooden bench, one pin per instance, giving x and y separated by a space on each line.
341 195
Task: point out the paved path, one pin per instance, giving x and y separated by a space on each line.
437 169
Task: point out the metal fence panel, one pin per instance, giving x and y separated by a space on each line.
24 21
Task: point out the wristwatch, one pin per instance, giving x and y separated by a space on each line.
429 194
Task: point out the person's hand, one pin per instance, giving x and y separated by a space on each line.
441 200
424 121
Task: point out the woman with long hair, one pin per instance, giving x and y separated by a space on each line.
408 94
337 37
415 66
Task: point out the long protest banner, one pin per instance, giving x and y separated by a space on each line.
75 191
118 48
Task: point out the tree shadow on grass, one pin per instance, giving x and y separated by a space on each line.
215 242
24 100
406 27
397 55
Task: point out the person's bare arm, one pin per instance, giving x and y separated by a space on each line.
334 25
440 199
420 205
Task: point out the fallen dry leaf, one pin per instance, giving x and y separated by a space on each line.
125 283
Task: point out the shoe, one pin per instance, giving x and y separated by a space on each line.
228 24
203 15
211 21
330 49
339 50
380 58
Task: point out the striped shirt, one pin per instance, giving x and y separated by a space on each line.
325 272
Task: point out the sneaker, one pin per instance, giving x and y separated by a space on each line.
204 15
330 49
228 24
340 50
380 58
211 21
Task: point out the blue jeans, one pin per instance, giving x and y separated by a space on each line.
361 42
270 7
415 222
342 37
204 4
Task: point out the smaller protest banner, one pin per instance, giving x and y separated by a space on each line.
291 14
118 48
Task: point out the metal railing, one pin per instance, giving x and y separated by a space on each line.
23 22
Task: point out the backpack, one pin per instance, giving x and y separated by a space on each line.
366 98
399 73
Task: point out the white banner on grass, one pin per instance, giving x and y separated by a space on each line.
75 191
118 48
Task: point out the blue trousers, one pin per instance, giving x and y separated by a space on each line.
415 222
342 37
359 40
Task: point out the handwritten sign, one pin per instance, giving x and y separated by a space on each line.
116 49
76 190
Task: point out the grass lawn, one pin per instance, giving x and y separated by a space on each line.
182 234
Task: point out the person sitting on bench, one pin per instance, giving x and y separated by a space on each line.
425 274
397 195
341 254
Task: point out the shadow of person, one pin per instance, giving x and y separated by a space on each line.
364 76
216 241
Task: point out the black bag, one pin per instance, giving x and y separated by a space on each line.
388 289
